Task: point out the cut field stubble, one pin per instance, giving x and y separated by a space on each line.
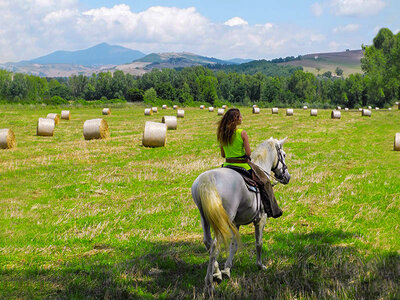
111 218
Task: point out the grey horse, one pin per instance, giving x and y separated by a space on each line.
225 203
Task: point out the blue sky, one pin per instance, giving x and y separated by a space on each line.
220 28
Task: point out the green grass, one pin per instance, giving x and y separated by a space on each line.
113 219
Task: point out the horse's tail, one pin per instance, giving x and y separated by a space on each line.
214 212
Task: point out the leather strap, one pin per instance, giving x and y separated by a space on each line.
237 160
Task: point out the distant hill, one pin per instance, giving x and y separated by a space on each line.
348 61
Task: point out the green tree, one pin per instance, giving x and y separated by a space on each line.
339 71
150 96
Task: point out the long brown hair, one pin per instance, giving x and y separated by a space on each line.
227 126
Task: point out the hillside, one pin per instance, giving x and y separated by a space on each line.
349 61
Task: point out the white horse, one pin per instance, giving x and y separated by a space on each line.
225 203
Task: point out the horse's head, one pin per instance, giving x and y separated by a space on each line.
280 169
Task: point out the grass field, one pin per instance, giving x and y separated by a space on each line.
113 219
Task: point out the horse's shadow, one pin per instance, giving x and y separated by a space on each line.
299 264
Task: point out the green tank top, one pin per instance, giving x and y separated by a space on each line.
236 149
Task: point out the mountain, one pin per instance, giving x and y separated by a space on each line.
318 63
240 60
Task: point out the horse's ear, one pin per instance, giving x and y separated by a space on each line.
283 141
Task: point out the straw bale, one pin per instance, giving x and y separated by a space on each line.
396 145
55 117
170 121
313 112
335 114
106 111
389 108
180 113
45 127
175 107
7 139
289 112
255 105
274 110
256 110
154 109
220 111
346 108
224 106
65 115
164 106
95 129
360 109
376 108
211 109
148 111
155 134
369 107
202 106
305 107
365 113
338 108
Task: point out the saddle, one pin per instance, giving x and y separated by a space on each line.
247 176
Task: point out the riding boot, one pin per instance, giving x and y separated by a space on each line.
270 204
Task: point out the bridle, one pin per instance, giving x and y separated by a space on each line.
280 160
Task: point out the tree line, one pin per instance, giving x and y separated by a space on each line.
249 84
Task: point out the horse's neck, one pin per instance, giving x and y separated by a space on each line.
267 162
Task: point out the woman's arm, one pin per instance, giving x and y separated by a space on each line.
246 144
222 152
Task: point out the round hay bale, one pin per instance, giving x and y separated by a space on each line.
335 114
65 115
274 110
305 107
95 129
211 109
369 107
154 109
45 127
255 105
346 108
148 111
289 112
224 106
164 106
256 110
313 112
180 113
389 108
365 113
7 139
360 109
106 111
202 106
154 135
376 108
396 145
338 108
170 121
220 111
175 107
55 117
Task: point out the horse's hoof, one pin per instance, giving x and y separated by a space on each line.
262 267
226 273
217 277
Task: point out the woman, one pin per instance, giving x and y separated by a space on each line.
235 148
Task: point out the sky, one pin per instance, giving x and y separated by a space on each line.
252 29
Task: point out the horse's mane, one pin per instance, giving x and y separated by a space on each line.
261 152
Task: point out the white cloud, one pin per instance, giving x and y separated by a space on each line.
346 28
356 7
317 9
236 21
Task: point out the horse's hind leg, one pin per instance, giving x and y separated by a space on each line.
226 272
213 272
259 228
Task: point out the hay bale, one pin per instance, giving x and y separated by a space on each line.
224 106
369 107
289 112
389 108
338 108
164 106
376 108
154 109
95 129
274 110
65 115
154 135
106 111
211 109
396 145
305 107
55 117
45 127
148 111
175 107
313 112
360 109
346 108
335 114
180 113
7 139
365 113
202 106
255 105
220 111
256 110
170 121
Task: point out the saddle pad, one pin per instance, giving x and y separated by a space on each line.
250 183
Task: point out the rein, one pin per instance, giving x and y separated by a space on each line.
280 160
